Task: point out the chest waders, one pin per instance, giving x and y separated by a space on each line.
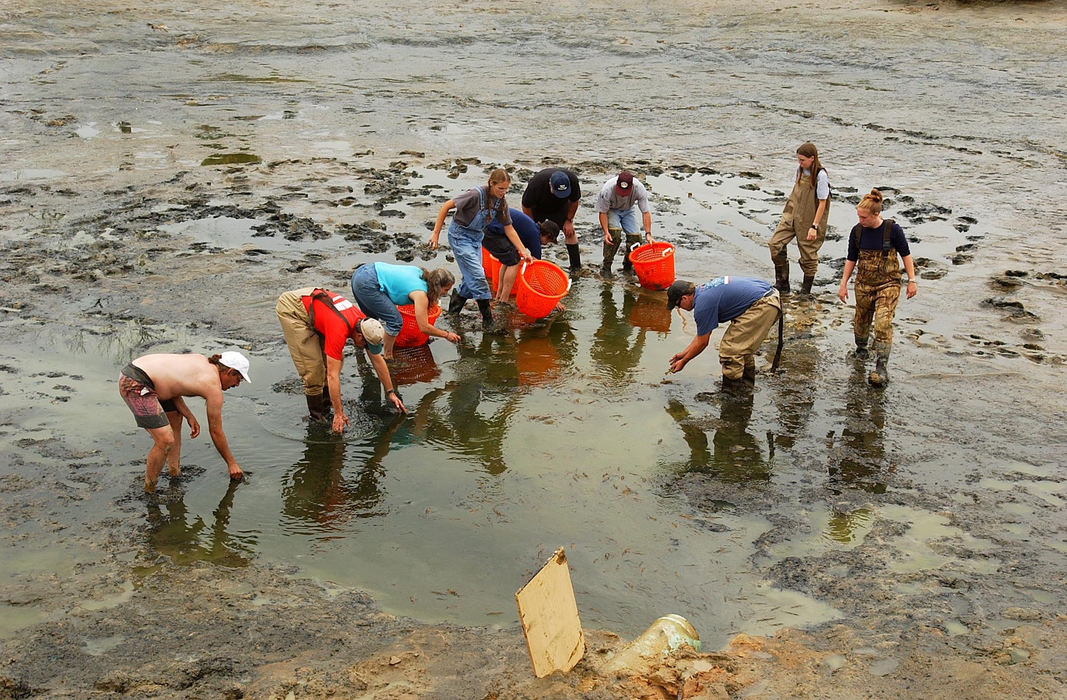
466 242
877 290
797 217
320 406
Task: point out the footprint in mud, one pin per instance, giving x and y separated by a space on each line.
1016 311
929 269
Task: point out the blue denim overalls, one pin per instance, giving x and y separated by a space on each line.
466 244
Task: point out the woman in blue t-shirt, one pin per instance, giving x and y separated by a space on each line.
381 287
873 247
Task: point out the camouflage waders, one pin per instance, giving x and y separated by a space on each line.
612 249
877 290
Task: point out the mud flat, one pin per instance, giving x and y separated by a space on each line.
941 585
827 540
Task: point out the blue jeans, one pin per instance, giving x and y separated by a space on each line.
466 244
373 301
626 219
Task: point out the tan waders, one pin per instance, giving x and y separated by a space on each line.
746 333
797 217
877 290
305 344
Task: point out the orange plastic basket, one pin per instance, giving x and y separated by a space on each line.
492 269
654 264
410 336
541 286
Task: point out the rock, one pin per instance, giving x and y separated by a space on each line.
1021 614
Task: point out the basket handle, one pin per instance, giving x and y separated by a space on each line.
634 247
668 251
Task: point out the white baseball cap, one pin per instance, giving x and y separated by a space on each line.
237 361
372 331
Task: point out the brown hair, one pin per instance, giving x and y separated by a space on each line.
214 359
808 150
499 175
871 202
437 281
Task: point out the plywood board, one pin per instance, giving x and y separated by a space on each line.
549 617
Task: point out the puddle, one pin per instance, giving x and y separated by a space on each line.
915 551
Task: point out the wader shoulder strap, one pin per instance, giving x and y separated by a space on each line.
778 352
325 298
887 245
855 236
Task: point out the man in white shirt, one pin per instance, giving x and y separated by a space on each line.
617 205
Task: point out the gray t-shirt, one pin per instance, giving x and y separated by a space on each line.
468 204
610 199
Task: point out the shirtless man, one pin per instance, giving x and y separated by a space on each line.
152 385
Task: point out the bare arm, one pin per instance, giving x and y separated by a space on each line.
333 383
382 370
441 215
646 219
568 225
603 216
842 291
214 424
909 267
513 236
694 348
422 317
183 409
812 235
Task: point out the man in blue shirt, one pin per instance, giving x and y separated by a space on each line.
750 306
532 234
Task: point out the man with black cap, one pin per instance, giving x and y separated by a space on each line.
316 324
751 306
616 205
554 194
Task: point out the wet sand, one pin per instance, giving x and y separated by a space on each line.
930 517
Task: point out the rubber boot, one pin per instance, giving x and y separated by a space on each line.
734 386
749 375
611 250
781 276
861 349
455 303
317 407
879 376
487 313
805 286
631 239
575 257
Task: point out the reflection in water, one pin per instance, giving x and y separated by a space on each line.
649 311
479 404
859 458
847 527
172 534
318 492
413 365
614 356
795 398
734 454
536 360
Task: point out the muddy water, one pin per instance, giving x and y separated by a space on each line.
254 148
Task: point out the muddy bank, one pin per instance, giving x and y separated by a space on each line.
941 586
